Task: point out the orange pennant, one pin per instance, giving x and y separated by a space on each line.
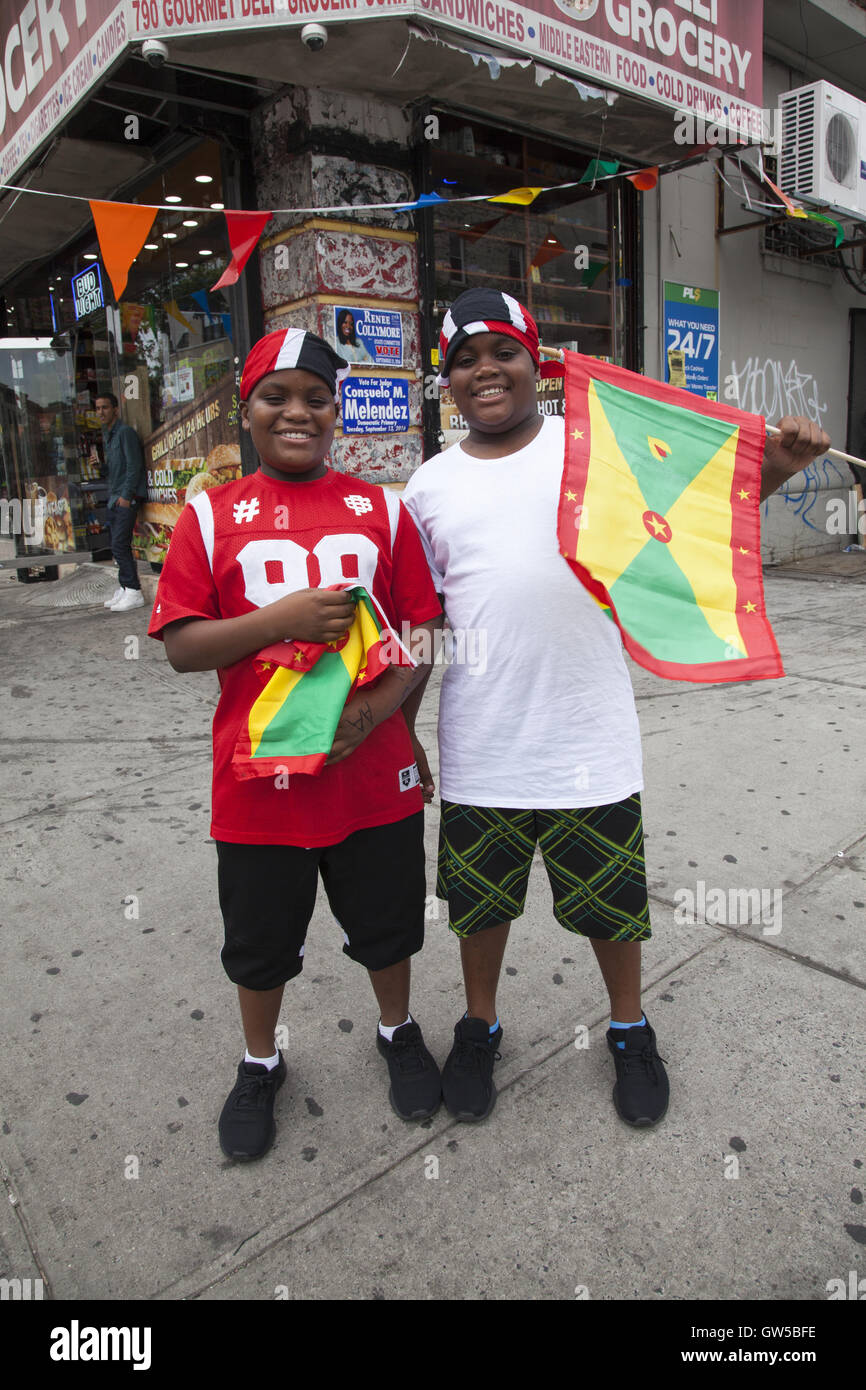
645 179
244 229
121 229
792 207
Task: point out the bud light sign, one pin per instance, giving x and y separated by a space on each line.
87 291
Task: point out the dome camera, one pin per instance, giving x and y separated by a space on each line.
154 53
314 37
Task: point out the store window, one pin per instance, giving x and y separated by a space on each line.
561 255
37 442
166 351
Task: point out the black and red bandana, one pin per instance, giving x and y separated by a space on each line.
484 311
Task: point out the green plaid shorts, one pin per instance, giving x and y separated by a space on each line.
594 857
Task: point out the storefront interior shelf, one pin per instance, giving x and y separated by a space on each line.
575 323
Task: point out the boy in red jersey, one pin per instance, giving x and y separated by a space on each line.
250 563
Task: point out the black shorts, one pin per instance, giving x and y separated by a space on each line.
376 887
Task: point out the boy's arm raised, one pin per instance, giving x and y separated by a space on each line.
310 615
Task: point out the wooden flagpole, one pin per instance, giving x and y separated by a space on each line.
771 429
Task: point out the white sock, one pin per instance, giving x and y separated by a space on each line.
389 1032
269 1062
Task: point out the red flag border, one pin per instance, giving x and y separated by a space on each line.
764 661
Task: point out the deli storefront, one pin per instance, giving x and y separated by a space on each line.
166 350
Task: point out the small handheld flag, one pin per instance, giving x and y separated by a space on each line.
291 725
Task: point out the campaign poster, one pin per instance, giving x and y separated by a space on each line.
375 405
371 337
691 339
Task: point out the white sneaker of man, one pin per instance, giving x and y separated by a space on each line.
131 598
115 597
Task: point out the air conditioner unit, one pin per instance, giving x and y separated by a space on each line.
823 137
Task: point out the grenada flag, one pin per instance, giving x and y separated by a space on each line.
659 519
290 727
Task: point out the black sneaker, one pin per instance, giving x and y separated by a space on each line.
416 1086
246 1126
467 1077
642 1087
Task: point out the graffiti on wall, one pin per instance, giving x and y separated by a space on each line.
768 388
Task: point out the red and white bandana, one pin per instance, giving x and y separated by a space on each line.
293 347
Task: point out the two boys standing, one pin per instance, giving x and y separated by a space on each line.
542 749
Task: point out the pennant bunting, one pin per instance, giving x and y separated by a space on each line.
244 229
173 309
479 229
200 297
659 519
291 725
521 196
121 230
821 217
644 179
549 249
599 169
425 200
783 197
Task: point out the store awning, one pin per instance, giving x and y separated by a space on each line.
396 61
87 167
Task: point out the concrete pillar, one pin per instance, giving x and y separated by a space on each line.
312 149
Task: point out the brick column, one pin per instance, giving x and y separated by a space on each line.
322 149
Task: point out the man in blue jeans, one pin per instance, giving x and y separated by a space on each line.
127 487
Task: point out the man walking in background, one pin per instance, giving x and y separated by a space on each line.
127 488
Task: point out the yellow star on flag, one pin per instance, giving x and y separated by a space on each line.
571 497
750 607
743 496
743 551
577 434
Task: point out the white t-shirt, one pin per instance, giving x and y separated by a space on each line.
537 708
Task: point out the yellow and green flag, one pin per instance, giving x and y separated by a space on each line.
659 519
291 725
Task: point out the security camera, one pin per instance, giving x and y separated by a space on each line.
314 37
154 53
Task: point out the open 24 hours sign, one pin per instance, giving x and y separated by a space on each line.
691 342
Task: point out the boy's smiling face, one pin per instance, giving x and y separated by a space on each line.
291 415
493 381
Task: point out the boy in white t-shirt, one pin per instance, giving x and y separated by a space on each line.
539 740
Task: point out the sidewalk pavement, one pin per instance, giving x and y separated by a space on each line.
122 1033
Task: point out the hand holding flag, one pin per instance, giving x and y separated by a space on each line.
301 719
790 448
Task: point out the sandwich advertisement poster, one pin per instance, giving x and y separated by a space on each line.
197 449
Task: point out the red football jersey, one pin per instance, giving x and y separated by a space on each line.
242 545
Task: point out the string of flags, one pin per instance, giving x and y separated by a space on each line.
123 228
